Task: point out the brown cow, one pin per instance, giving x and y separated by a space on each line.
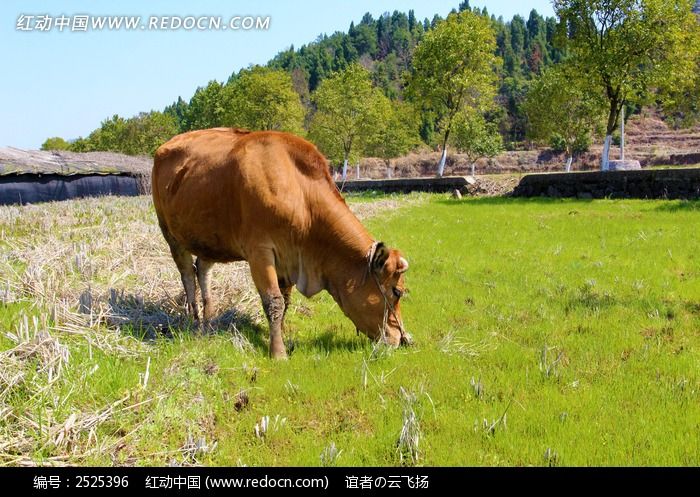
268 198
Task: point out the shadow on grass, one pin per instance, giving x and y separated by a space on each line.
235 321
504 200
368 195
590 299
331 340
151 320
679 206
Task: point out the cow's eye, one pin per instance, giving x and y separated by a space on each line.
397 292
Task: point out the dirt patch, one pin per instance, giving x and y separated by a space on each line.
493 186
365 210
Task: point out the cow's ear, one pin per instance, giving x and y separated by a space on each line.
381 254
402 265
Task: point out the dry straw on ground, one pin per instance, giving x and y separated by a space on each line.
97 271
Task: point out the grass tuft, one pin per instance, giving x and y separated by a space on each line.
408 446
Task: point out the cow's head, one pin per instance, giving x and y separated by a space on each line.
374 306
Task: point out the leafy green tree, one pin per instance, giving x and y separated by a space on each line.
347 114
110 136
178 110
148 131
511 97
55 143
80 145
206 108
680 100
396 132
263 99
518 32
682 104
505 50
364 36
561 107
628 49
474 137
537 55
385 46
139 135
454 67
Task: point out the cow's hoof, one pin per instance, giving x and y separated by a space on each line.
204 328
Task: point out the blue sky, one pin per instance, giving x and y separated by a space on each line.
65 83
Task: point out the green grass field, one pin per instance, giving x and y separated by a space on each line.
548 332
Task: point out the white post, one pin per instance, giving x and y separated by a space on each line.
606 153
345 169
473 169
357 169
622 133
443 158
568 163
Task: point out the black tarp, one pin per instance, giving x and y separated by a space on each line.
33 188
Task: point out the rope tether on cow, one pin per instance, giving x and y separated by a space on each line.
388 308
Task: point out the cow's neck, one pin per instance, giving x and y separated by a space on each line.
342 256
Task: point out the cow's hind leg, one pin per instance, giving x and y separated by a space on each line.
203 268
287 296
262 268
183 259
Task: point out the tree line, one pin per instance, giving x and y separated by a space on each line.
470 81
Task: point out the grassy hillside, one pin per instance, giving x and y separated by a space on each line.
549 332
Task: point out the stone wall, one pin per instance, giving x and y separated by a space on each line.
646 183
685 159
405 185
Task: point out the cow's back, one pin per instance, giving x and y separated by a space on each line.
221 192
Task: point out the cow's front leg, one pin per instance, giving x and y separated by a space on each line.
264 275
274 310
